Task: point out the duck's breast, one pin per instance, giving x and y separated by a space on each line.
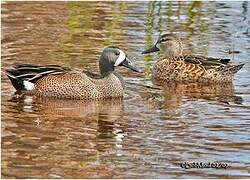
110 86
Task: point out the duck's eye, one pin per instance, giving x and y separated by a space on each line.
117 53
165 39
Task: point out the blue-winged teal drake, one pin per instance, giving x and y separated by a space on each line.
177 66
58 82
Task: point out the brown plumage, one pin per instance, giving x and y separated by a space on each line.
177 66
58 82
77 85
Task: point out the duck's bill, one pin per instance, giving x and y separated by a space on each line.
128 64
150 50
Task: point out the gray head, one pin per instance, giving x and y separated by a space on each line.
170 44
111 57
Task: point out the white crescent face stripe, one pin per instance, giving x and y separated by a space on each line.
158 45
121 58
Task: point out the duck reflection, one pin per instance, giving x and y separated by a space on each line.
174 93
111 109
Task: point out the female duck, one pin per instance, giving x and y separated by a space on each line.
58 82
190 68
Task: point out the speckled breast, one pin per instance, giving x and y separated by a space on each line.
78 86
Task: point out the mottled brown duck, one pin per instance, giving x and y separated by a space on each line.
178 66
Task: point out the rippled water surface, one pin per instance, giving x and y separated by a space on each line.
154 129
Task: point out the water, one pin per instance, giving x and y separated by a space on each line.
150 132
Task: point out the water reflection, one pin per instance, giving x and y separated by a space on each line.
175 92
76 130
70 108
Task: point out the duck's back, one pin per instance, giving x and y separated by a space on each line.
193 68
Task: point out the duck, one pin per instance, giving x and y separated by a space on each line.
181 67
55 81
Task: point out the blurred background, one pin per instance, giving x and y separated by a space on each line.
150 132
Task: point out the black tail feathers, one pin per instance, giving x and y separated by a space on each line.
17 83
234 69
18 74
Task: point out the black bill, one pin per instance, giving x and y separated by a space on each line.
150 50
128 64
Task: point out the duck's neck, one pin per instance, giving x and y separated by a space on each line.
171 54
105 73
105 68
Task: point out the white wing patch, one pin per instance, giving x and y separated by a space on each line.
28 85
121 58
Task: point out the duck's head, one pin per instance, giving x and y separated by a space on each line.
170 44
112 57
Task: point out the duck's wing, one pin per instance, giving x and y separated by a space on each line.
206 62
28 73
220 64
